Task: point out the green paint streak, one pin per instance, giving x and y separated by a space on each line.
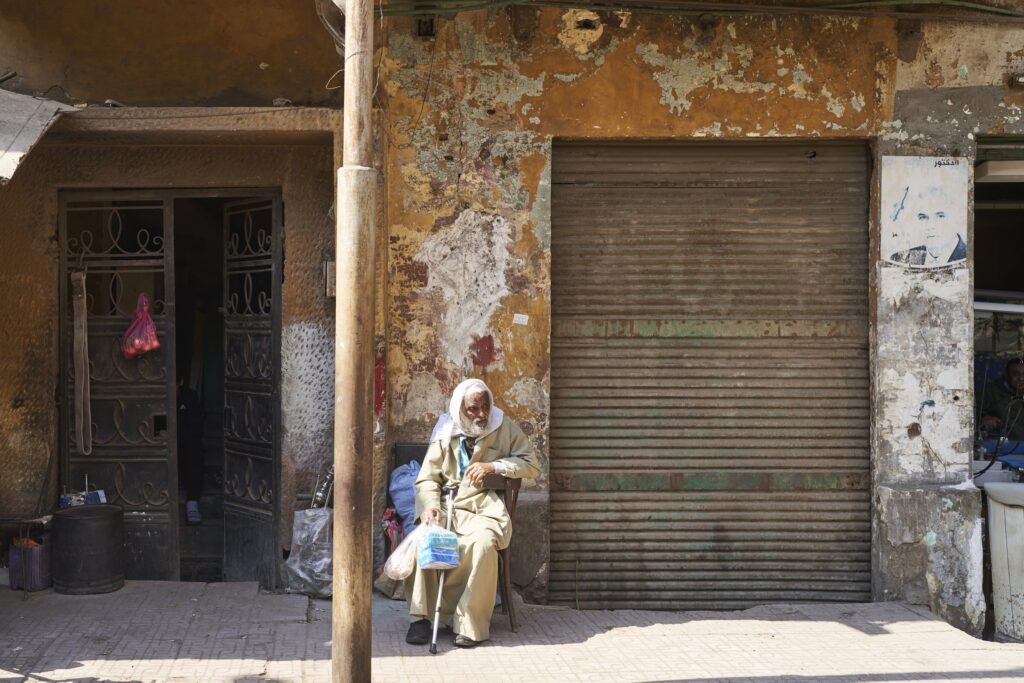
712 481
705 329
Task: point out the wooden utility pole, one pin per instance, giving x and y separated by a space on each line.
353 358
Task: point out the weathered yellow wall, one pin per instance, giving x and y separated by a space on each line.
191 52
472 114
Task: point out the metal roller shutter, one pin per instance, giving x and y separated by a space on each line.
709 375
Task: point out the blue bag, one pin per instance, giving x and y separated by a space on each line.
402 488
439 549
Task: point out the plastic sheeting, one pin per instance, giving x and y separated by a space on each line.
309 567
402 562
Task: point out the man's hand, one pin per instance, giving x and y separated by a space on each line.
990 423
431 516
478 470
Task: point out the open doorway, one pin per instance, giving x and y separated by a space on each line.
999 315
209 263
227 287
199 286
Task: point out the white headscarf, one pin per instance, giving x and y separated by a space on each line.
451 424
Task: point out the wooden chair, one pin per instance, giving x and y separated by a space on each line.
509 491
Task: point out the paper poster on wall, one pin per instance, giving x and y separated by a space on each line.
924 211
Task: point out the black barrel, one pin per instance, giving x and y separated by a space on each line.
88 549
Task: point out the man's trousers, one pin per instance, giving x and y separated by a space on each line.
469 590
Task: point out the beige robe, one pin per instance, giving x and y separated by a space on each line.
481 522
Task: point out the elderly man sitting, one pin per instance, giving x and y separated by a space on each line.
475 441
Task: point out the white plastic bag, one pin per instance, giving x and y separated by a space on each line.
402 562
309 566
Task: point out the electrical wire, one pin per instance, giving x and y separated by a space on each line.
417 8
976 11
941 3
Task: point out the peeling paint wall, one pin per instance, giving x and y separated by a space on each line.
925 414
921 529
924 375
472 113
28 377
471 117
950 89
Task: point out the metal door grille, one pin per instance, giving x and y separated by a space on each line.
124 240
252 292
125 245
710 398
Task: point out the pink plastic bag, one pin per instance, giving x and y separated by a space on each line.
391 527
141 336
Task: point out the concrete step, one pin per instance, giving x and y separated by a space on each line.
203 540
206 569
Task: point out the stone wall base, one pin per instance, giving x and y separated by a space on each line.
928 551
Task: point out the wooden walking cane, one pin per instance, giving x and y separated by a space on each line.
450 490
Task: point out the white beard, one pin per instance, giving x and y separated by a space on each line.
472 429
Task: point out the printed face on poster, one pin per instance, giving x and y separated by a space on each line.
924 211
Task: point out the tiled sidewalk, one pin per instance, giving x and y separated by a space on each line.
153 631
162 631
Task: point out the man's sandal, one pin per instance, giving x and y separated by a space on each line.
464 641
419 632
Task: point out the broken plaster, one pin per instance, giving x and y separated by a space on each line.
540 212
581 29
466 264
424 400
529 393
680 76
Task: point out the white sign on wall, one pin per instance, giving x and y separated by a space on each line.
924 211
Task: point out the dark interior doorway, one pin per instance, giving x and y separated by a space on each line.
199 281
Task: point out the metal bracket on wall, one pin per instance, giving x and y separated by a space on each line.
329 279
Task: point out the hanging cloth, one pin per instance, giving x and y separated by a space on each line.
83 398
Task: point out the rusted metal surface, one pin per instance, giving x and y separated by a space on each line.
252 342
125 243
709 372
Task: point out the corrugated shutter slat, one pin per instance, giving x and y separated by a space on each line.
709 375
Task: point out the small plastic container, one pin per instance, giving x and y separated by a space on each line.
439 549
